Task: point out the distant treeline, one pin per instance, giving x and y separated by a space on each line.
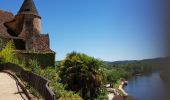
125 69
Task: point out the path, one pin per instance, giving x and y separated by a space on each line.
9 90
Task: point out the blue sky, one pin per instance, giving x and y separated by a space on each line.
107 29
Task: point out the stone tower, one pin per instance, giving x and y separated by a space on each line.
27 24
31 23
29 11
25 30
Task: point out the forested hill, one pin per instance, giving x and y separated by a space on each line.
125 69
125 62
120 62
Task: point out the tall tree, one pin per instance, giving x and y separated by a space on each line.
82 74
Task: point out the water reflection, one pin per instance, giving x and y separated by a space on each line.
146 87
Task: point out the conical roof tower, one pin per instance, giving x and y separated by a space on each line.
28 7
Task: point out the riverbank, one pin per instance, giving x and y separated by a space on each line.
117 93
121 88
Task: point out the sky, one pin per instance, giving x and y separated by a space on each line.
110 30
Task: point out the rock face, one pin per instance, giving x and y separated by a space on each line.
25 30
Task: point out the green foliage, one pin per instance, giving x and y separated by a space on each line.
51 74
63 94
82 74
8 54
103 95
44 59
34 67
114 74
117 84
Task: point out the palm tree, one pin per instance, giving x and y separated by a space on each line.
82 74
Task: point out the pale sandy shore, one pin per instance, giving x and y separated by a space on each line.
121 89
111 96
9 90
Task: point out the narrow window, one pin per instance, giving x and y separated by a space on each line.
19 44
27 9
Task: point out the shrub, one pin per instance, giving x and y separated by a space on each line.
51 74
63 94
34 67
7 53
103 95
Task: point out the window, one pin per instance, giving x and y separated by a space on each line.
27 9
12 33
19 44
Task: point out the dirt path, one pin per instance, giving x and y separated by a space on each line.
9 90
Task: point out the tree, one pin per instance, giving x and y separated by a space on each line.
82 74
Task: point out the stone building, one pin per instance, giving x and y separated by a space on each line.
25 30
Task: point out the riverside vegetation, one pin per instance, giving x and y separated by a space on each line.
80 76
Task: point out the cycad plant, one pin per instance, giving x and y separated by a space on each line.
82 74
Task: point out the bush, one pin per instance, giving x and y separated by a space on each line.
63 94
8 54
34 67
51 74
103 95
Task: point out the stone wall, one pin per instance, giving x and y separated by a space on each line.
37 24
40 84
3 42
44 59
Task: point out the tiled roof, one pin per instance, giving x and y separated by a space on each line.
28 7
4 17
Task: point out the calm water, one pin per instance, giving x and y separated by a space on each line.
147 87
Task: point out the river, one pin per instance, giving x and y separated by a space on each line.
146 87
